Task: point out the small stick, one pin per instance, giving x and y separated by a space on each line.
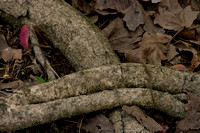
150 83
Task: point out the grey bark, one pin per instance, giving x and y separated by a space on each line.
88 82
80 41
108 77
15 117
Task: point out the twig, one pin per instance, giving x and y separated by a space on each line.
79 127
149 83
174 37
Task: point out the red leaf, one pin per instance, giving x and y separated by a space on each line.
179 67
24 36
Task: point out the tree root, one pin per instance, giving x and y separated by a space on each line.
14 117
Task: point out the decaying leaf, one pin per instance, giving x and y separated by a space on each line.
179 67
142 118
120 37
135 16
171 52
195 4
184 46
192 120
173 17
98 124
198 34
7 53
189 34
105 7
3 43
151 50
171 6
14 85
134 12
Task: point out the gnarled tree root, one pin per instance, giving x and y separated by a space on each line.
15 117
107 77
67 97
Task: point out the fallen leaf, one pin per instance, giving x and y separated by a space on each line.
188 34
184 46
106 7
174 18
3 43
120 37
9 54
24 36
136 12
197 39
195 4
98 124
171 6
172 53
14 85
142 118
192 119
150 50
179 67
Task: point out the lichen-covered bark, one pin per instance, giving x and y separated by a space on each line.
22 116
78 39
108 77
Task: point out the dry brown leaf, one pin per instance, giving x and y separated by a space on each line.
192 120
171 6
9 54
151 50
135 12
188 16
105 7
172 52
195 4
120 37
173 17
14 85
98 124
142 118
188 34
3 43
168 21
184 46
198 34
135 16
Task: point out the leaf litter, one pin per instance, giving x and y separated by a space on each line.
160 32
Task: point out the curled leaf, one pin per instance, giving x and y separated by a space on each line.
179 67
